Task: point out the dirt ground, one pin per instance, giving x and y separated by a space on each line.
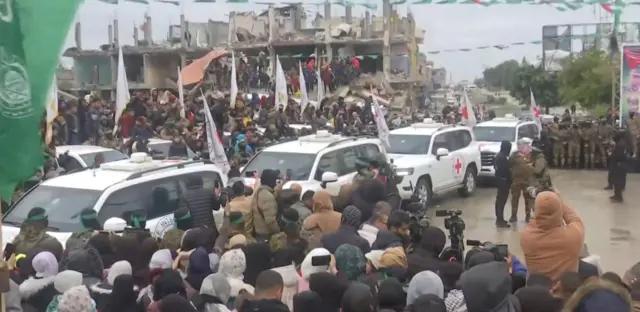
610 228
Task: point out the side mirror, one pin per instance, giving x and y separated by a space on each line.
116 225
441 152
328 177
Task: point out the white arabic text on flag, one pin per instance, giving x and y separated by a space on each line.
535 112
282 98
234 82
181 94
122 90
214 142
304 98
466 110
381 124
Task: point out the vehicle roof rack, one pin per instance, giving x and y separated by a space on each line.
179 165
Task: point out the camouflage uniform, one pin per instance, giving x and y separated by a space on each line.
541 178
556 136
588 136
604 134
573 143
521 174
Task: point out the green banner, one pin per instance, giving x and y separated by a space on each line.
33 33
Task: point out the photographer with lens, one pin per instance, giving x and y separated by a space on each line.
552 241
456 226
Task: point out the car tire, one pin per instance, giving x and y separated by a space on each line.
469 183
424 191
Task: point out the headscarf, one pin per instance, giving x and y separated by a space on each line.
102 245
391 295
161 259
237 240
123 296
429 303
65 280
256 256
330 288
169 282
117 269
45 265
350 261
76 299
374 257
351 216
357 298
233 263
215 290
322 201
199 267
307 301
307 268
424 283
393 257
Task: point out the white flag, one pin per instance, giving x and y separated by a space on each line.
52 102
381 123
181 94
535 112
320 88
234 82
122 90
304 98
466 110
282 97
214 141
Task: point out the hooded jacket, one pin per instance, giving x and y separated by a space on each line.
86 261
36 293
324 220
290 279
214 294
552 241
425 255
487 288
501 162
599 295
102 291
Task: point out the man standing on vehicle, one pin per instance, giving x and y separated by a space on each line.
521 174
503 181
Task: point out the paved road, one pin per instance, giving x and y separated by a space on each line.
612 230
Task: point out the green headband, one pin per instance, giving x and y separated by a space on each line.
235 220
136 221
36 218
185 217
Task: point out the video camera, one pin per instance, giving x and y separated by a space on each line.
419 220
500 251
456 226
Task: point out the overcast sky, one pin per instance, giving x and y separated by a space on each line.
447 26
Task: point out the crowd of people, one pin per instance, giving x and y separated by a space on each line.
318 253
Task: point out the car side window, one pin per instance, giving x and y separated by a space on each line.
209 180
439 141
458 139
124 201
68 163
525 132
328 162
367 150
165 198
349 159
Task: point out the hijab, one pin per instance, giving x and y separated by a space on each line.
350 262
424 283
199 268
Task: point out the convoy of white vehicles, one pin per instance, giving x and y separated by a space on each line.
432 158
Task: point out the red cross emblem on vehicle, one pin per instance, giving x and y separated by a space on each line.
458 166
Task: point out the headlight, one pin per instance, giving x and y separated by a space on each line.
404 172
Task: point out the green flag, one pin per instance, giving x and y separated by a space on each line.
33 33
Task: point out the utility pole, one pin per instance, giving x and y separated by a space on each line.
327 31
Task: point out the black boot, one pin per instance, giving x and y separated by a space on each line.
609 187
502 224
616 199
513 218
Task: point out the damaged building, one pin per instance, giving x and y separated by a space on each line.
386 46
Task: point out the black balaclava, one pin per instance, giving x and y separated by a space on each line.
351 216
269 177
89 219
183 220
505 148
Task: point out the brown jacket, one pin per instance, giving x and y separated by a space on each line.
552 241
521 170
324 220
243 204
264 209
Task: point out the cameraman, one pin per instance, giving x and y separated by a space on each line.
552 242
397 233
503 181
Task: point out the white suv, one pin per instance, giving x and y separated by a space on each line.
434 158
315 160
490 135
113 191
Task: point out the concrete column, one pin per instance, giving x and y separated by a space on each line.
78 36
116 33
114 70
367 24
110 30
348 14
147 35
386 47
297 16
183 31
327 31
232 28
272 37
135 36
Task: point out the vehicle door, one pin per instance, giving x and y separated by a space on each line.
461 156
210 181
442 171
527 131
329 162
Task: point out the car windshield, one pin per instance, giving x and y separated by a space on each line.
495 134
63 206
409 144
300 164
163 147
109 156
